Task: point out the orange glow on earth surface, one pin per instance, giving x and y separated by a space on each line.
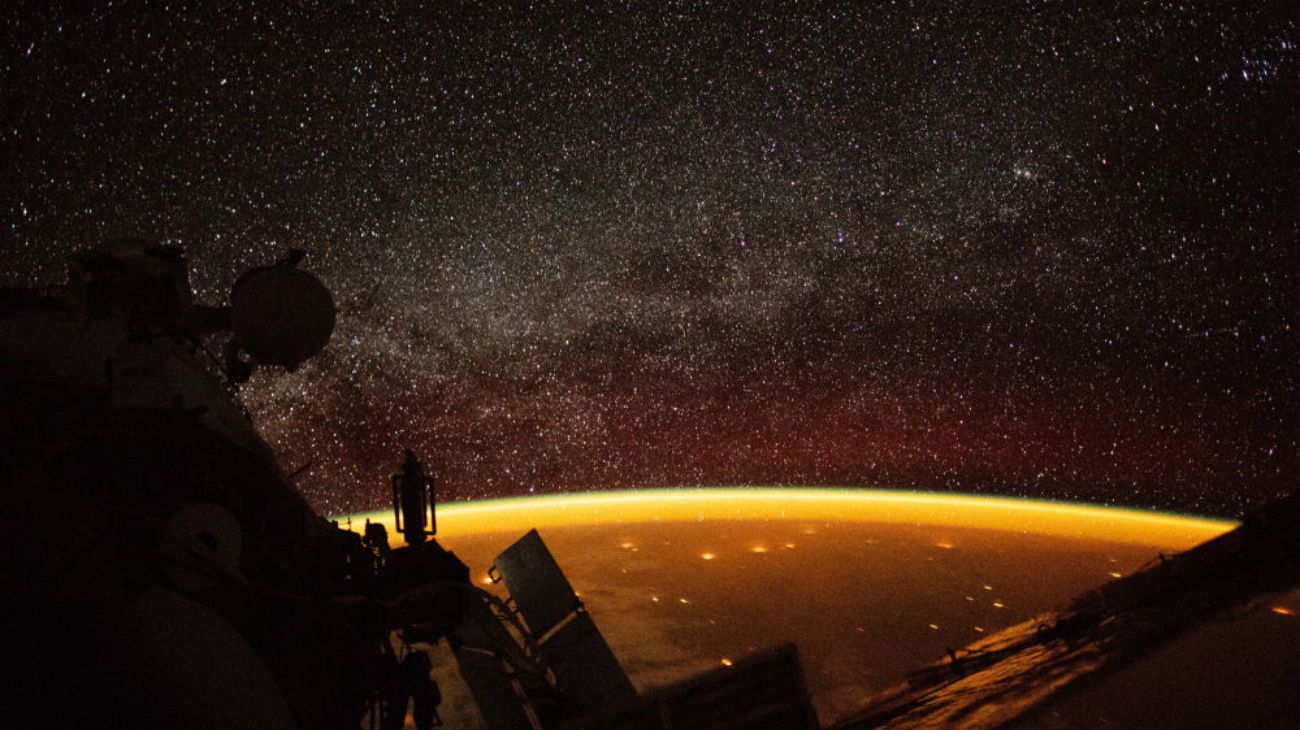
819 505
680 580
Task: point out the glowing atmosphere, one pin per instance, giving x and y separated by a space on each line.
682 581
799 506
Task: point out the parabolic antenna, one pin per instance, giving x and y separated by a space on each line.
281 315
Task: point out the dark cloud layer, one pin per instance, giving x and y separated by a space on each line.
1045 249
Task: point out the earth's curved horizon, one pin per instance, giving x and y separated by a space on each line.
868 583
855 504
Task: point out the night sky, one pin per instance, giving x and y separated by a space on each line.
1039 250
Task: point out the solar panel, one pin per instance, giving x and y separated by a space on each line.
765 691
541 593
586 670
485 674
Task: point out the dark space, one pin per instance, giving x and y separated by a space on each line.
1045 250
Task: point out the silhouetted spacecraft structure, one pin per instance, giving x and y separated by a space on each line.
162 571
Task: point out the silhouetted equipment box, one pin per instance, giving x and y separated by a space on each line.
765 691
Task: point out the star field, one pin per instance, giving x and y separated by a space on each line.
1045 250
